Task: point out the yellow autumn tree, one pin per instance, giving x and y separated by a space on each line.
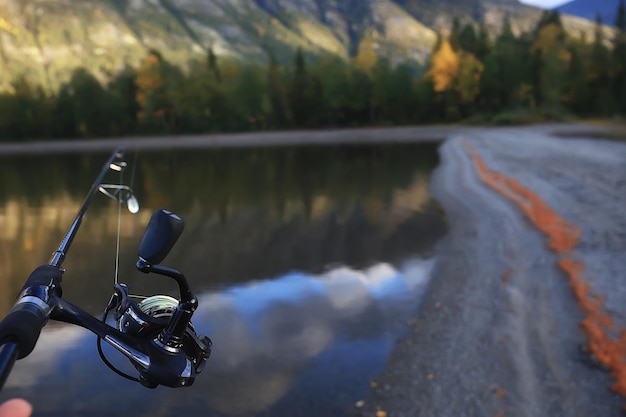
366 56
7 26
149 81
148 77
444 68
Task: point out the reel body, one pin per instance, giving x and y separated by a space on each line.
149 320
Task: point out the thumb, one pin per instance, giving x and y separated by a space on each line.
16 407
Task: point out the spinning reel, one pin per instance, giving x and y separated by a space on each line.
162 321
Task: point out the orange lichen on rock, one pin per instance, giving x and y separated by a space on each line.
563 237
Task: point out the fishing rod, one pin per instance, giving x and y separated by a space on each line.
156 334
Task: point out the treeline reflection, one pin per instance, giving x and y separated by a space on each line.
249 213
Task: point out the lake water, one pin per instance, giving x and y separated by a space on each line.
306 262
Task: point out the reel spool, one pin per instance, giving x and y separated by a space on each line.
157 307
147 317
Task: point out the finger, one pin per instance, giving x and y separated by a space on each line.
16 408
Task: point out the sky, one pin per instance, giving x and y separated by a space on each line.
546 4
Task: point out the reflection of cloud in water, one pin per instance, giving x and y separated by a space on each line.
44 359
267 335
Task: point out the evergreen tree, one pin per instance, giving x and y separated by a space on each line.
403 103
361 94
301 94
506 75
551 59
549 17
620 20
249 97
63 116
25 114
599 74
619 58
455 34
122 92
337 91
382 98
212 65
88 98
506 33
579 97
483 45
468 40
279 114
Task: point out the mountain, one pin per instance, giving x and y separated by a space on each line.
46 39
589 9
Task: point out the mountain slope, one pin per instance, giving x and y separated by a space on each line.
588 9
46 39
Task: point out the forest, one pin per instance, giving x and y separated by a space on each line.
541 75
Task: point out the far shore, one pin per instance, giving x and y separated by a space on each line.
373 135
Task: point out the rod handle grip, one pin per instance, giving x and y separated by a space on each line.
22 326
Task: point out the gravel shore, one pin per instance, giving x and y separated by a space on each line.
498 332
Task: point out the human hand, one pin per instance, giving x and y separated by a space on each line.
16 408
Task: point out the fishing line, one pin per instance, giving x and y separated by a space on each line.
117 239
119 223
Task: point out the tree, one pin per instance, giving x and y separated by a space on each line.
598 77
382 96
468 40
467 82
88 100
336 82
549 17
151 96
506 80
455 34
403 103
551 59
249 97
444 68
25 114
620 20
122 97
63 116
579 98
303 94
366 56
619 58
482 43
279 114
212 65
157 83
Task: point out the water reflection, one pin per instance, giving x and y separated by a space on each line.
301 256
279 344
249 214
